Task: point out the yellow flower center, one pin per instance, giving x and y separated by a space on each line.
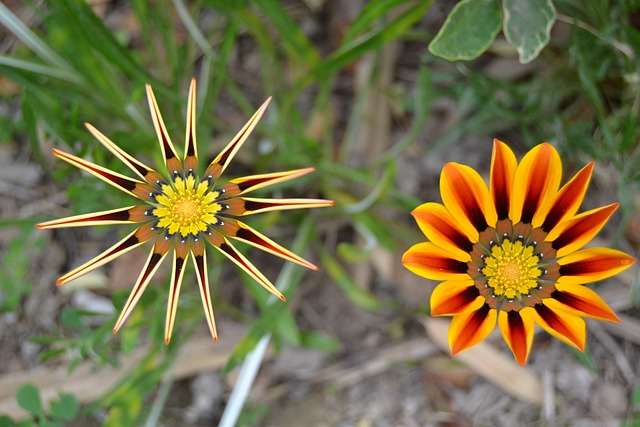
512 269
186 207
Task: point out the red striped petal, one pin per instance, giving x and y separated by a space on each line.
569 198
593 264
563 325
503 170
455 297
468 329
428 260
582 301
190 144
441 228
517 330
174 165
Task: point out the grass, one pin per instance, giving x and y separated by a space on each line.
70 67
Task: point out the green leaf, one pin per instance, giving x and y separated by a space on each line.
527 25
66 407
319 341
28 398
5 421
468 31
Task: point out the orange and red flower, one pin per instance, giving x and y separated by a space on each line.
180 213
511 253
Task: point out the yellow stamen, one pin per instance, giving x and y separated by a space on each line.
186 207
512 269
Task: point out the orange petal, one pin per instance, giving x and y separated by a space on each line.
580 300
429 260
254 238
174 165
560 323
241 261
467 198
455 297
536 181
190 144
135 239
220 163
468 329
568 199
177 273
127 215
503 170
156 256
143 171
593 264
517 330
136 188
199 257
441 228
571 235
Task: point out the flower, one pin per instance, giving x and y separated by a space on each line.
512 253
183 212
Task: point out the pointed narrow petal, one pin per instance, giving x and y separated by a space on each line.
254 238
174 166
156 256
537 179
131 214
136 188
571 235
242 206
190 144
232 253
135 239
143 171
503 171
580 300
455 297
468 329
219 164
467 199
517 330
441 228
568 199
430 261
563 325
591 265
177 273
199 256
247 184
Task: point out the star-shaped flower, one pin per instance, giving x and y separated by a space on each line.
182 212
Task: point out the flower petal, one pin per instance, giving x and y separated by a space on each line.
503 171
142 170
177 273
131 214
441 228
242 206
241 261
455 297
579 299
156 256
571 235
190 144
468 329
467 198
174 165
219 164
135 239
136 188
536 181
249 235
429 260
199 257
247 184
517 330
563 325
591 265
568 199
